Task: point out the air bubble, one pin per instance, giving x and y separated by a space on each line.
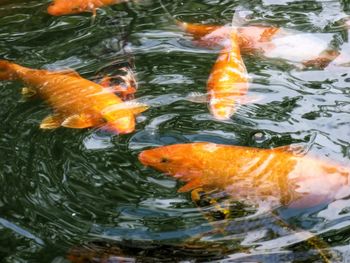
260 137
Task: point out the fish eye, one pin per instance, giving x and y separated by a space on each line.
164 160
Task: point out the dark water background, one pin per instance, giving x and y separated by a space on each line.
62 188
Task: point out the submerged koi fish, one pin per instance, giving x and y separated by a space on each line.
77 102
228 80
68 7
309 49
276 175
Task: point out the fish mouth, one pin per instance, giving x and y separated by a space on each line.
122 125
144 159
150 158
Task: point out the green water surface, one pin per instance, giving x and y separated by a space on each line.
63 188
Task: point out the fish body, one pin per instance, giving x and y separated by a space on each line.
68 7
77 102
228 80
276 175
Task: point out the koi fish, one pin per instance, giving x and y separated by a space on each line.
77 102
68 7
311 50
228 80
279 175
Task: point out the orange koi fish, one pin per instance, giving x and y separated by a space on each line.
228 80
68 7
277 175
77 102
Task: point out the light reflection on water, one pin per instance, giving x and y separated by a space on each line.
65 187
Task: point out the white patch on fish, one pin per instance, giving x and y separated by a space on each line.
299 47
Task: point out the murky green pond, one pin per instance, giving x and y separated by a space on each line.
66 189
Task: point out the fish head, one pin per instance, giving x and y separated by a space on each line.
120 117
121 125
66 7
180 160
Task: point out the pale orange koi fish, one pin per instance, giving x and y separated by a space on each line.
278 175
77 102
68 7
269 41
228 80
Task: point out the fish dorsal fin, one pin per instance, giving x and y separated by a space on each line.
296 149
78 121
51 122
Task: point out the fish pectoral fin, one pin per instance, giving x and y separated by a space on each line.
196 194
28 92
193 184
51 122
77 121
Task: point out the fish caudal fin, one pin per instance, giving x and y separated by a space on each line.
6 71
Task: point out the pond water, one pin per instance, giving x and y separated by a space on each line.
66 189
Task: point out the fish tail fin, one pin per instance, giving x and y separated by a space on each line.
6 71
